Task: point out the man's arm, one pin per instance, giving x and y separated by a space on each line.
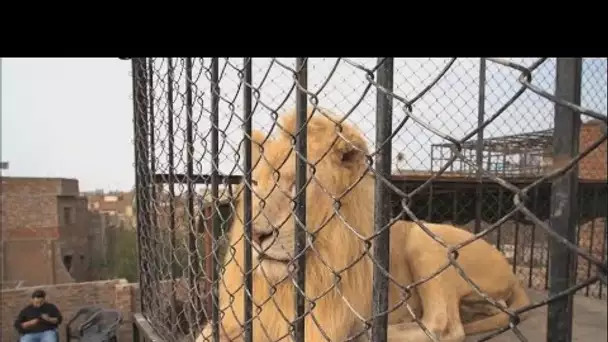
19 320
29 323
54 315
21 324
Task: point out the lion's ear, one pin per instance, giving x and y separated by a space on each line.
328 131
350 148
346 144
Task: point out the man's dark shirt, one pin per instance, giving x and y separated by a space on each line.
30 312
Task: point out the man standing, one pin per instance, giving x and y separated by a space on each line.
38 321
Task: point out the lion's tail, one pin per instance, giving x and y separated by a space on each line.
518 300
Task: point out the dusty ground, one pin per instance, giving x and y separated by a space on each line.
590 319
589 322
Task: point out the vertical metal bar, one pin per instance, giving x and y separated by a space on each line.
604 249
481 110
382 165
489 165
500 210
533 237
592 214
455 207
516 242
433 159
429 215
579 230
215 101
564 204
604 242
247 166
205 218
154 219
152 133
68 334
452 164
171 157
300 200
193 261
142 171
135 330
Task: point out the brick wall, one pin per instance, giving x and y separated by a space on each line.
23 260
29 203
593 166
35 261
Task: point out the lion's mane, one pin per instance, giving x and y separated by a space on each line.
338 271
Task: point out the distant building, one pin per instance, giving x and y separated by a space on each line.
116 203
45 232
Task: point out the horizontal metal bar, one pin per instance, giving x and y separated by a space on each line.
180 178
163 178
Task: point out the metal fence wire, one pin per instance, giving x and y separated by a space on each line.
358 199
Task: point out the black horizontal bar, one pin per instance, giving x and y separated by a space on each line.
196 179
180 178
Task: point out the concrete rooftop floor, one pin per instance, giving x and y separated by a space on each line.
590 321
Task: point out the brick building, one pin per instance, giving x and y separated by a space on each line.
45 231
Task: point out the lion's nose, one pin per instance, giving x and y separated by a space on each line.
258 237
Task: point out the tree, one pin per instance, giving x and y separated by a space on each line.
400 159
124 259
121 257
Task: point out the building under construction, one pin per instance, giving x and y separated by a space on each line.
525 155
521 155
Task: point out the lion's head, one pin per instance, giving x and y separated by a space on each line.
336 158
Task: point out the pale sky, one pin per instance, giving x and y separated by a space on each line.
73 117
68 118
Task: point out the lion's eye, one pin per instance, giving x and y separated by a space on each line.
254 182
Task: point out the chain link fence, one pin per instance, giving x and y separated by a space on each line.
419 185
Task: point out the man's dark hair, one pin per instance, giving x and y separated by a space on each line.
39 294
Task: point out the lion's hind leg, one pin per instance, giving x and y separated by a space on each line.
519 299
441 316
439 294
413 332
474 310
